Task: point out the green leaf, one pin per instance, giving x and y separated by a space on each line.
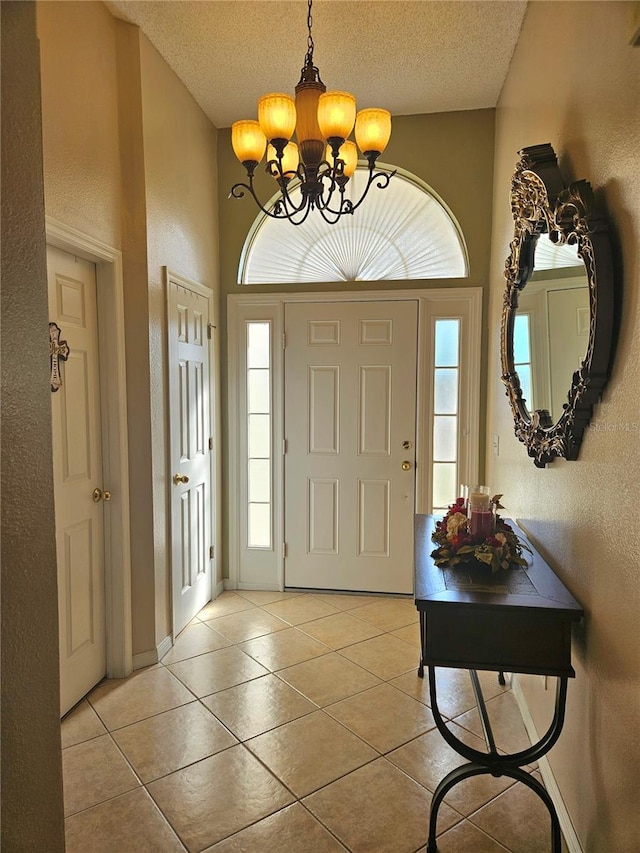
485 556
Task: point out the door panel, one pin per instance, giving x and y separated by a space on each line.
190 430
373 518
375 410
77 464
324 409
350 386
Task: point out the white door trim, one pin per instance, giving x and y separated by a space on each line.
108 262
272 305
214 456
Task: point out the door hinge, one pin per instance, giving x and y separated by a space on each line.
211 444
284 550
284 340
284 446
210 327
211 552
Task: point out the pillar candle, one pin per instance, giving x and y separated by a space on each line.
479 501
481 523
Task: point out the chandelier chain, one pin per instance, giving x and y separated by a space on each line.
310 44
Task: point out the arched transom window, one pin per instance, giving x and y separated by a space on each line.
402 232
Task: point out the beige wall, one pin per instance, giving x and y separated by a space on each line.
79 117
129 158
31 784
575 82
451 152
182 234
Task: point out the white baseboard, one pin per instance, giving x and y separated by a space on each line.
153 655
164 647
227 583
569 833
220 587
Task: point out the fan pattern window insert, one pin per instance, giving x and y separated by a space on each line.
405 232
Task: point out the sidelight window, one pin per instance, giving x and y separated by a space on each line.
259 432
446 411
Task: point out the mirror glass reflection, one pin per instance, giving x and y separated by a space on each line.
551 326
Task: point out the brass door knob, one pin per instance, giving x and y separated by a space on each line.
98 495
406 465
180 478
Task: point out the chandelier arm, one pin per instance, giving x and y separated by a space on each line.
308 210
331 220
239 190
382 179
283 184
335 175
286 198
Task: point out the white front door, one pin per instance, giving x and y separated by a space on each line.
350 410
189 309
77 467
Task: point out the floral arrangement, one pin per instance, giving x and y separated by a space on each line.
457 545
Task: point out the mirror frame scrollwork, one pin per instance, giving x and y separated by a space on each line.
540 203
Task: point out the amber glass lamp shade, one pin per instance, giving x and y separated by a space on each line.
277 115
336 114
290 160
373 130
248 141
348 153
308 131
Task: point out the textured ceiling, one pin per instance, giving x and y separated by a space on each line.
409 57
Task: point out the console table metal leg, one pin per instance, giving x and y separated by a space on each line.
492 762
466 771
423 642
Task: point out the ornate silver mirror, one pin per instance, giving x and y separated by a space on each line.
557 318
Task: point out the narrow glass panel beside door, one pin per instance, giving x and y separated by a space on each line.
446 410
259 426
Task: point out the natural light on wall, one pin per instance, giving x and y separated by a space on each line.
259 433
446 410
405 232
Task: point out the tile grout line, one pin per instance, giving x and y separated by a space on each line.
386 680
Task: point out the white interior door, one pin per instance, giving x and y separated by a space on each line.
189 308
350 411
77 465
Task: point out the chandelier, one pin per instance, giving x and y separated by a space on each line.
324 158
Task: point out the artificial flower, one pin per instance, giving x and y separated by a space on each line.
456 545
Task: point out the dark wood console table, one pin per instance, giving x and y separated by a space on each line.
515 621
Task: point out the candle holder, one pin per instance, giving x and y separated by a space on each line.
480 512
476 534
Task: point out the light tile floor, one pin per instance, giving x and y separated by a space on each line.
289 723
